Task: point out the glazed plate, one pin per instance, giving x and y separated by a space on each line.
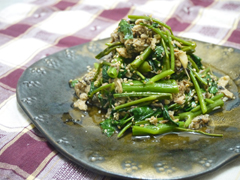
44 94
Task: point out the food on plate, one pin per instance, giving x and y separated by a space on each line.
150 82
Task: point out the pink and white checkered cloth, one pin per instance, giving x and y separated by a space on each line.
33 30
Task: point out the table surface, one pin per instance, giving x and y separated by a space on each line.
26 28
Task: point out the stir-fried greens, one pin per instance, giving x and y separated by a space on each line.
150 81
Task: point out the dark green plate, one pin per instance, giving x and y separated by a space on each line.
44 94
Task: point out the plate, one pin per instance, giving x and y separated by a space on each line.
44 94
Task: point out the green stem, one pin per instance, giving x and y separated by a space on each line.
124 129
113 44
160 76
194 65
156 30
112 72
213 98
188 116
152 130
206 71
145 67
141 58
171 51
186 43
166 60
140 75
143 94
199 93
199 78
151 19
100 89
149 98
164 86
188 49
209 101
108 50
97 72
198 131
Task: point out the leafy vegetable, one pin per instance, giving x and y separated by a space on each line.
141 113
197 60
213 88
105 75
140 84
159 52
92 88
108 127
126 29
167 116
73 83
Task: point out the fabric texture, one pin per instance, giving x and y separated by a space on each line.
33 30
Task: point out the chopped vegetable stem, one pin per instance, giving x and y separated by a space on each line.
193 63
190 115
198 131
98 71
171 51
141 58
160 76
100 89
209 101
150 98
199 78
140 75
156 30
213 98
124 129
164 86
166 60
108 50
112 72
199 93
152 19
143 94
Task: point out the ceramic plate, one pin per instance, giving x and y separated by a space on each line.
44 94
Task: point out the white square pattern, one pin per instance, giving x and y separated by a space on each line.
159 9
18 51
213 17
16 12
8 118
66 22
106 4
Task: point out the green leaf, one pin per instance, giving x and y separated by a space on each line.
102 100
108 127
213 89
141 113
159 52
122 72
105 75
197 60
73 83
92 88
126 29
167 116
212 84
155 65
155 25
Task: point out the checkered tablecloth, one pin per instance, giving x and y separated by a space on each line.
32 30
